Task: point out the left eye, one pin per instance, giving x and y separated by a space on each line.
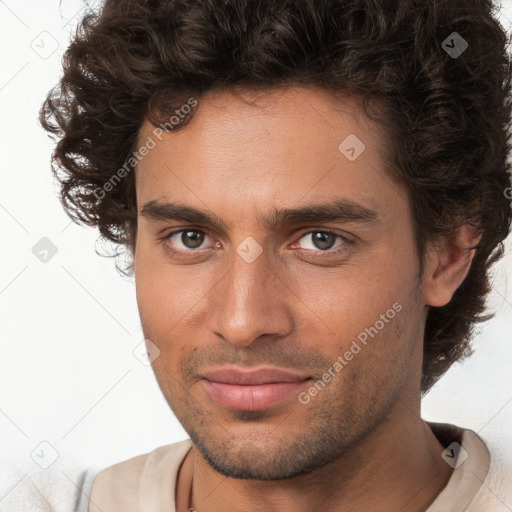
190 238
322 240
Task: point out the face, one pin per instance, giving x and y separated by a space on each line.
274 275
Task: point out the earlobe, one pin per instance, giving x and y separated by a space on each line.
448 265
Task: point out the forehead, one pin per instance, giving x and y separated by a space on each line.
276 146
307 113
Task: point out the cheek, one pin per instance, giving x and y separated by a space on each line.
160 324
371 303
167 298
156 289
165 290
151 290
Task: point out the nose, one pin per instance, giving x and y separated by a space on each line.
251 300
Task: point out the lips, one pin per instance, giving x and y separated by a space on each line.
252 390
254 377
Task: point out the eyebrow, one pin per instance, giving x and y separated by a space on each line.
336 210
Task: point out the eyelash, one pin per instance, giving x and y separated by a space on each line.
315 254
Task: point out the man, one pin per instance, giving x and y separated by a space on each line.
312 195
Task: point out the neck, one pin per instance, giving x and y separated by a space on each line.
398 466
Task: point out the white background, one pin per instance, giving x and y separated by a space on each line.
68 327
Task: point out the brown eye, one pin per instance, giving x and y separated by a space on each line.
321 240
192 239
185 239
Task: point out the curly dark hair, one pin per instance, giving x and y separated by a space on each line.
446 117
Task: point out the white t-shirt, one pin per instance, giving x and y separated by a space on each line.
146 483
481 481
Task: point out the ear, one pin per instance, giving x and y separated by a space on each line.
448 264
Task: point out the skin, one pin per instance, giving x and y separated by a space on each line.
359 444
